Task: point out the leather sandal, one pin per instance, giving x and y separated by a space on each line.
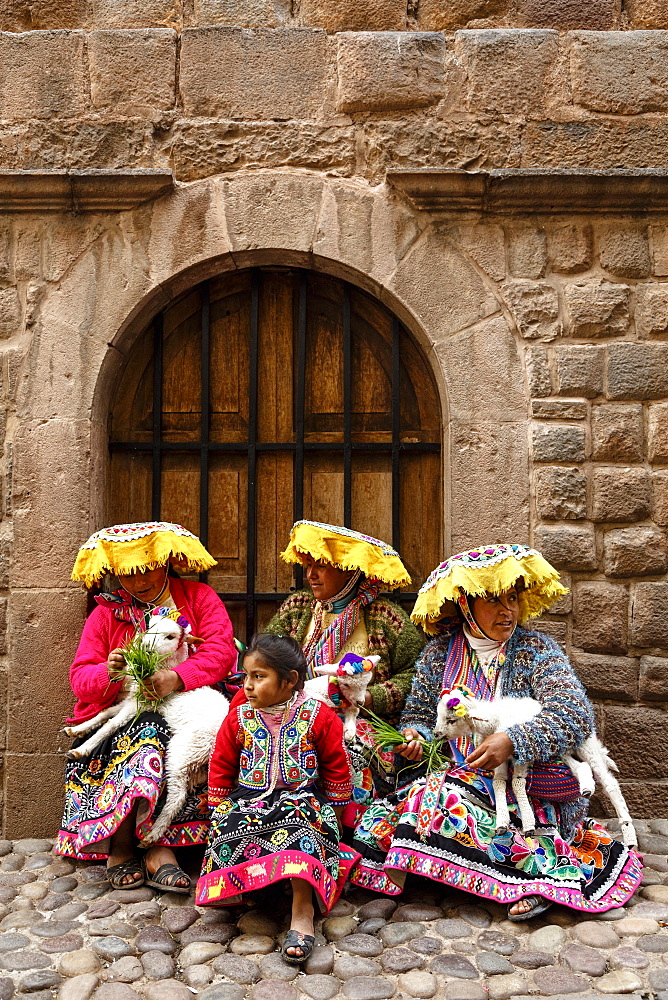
295 939
165 877
538 905
130 867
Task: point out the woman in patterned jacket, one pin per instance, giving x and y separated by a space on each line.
442 825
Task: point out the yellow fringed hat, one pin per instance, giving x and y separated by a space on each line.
493 569
346 549
144 545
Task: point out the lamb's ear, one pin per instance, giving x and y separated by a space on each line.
193 640
328 669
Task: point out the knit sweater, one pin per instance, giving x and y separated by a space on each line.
103 631
535 667
391 635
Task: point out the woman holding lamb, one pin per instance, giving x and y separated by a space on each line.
443 825
112 795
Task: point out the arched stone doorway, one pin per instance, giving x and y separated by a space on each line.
268 394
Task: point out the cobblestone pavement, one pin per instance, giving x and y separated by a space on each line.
64 931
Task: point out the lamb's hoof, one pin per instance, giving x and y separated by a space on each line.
629 836
587 792
73 755
68 730
500 831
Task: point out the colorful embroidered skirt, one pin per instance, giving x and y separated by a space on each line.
258 840
101 790
444 828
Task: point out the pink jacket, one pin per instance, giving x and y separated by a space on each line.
103 632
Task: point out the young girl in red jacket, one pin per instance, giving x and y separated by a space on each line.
279 778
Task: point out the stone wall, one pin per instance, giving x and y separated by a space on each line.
547 333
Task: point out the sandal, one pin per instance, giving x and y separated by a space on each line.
130 867
165 878
538 905
295 939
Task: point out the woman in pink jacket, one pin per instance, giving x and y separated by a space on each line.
112 795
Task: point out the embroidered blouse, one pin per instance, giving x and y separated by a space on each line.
307 749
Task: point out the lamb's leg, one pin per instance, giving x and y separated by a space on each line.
519 784
596 756
90 724
184 754
499 785
125 713
350 722
583 773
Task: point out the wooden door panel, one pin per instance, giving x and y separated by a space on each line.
180 489
130 481
182 370
274 520
421 515
372 495
276 357
230 312
323 488
228 482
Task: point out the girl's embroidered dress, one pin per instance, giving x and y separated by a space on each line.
443 826
274 779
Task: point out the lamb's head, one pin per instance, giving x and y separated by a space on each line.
352 676
169 634
452 716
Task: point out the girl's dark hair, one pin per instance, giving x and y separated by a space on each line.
282 653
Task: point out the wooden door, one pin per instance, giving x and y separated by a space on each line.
268 395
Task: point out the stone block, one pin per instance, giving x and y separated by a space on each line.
644 798
555 629
570 246
600 615
568 547
614 677
558 443
527 252
253 73
657 439
10 313
133 72
564 605
42 75
651 310
637 371
617 433
660 497
437 15
538 372
535 306
33 15
637 551
243 13
580 369
135 13
41 811
258 213
627 728
620 72
559 409
595 15
507 69
620 494
647 13
486 245
649 614
353 15
624 251
596 310
561 493
658 241
653 678
388 70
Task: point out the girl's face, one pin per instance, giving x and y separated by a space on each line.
497 616
262 684
145 585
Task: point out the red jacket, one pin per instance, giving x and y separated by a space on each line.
103 632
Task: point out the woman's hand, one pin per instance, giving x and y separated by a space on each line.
162 683
492 751
412 748
115 664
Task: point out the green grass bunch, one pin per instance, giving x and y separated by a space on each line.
141 662
386 738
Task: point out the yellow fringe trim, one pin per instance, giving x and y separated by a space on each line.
541 588
345 553
126 557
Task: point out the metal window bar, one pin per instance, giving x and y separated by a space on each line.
299 447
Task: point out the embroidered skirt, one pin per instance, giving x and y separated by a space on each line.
443 827
257 840
101 790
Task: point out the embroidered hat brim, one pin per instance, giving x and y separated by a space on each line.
144 545
346 549
491 569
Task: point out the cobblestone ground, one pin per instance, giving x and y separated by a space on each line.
64 931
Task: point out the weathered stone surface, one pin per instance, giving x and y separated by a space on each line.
547 939
553 981
382 71
596 310
126 970
452 928
255 922
579 958
236 968
651 313
21 961
658 432
600 616
580 370
491 964
608 676
245 944
77 963
637 722
320 961
569 547
507 70
637 371
275 967
348 966
570 247
203 951
396 960
154 938
660 497
44 979
347 15
417 911
66 942
558 443
635 552
167 989
157 965
242 13
78 988
527 251
394 934
377 908
559 409
437 16
115 991
336 928
599 15
538 372
624 251
179 918
504 987
133 72
462 989
43 75
369 988
620 494
213 933
628 957
98 928
605 76
649 614
265 74
619 981
653 944
647 13
226 991
111 947
320 987
561 493
535 306
617 433
529 959
453 965
426 945
653 684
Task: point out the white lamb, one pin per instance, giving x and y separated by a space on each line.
459 714
352 684
193 716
